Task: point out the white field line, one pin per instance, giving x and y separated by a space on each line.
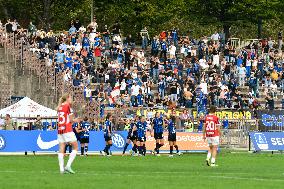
158 174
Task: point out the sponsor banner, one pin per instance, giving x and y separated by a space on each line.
185 141
231 114
20 141
271 118
267 140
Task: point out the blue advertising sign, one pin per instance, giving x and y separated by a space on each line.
272 119
20 141
267 140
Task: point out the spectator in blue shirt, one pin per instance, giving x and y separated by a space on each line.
86 43
72 30
155 47
175 36
164 48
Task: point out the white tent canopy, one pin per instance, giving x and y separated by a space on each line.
27 108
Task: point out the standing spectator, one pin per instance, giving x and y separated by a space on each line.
134 92
145 37
241 75
164 49
98 56
72 30
215 37
175 36
32 29
273 89
155 47
15 25
172 50
86 42
269 102
77 24
38 123
8 26
130 42
280 40
93 26
106 36
9 125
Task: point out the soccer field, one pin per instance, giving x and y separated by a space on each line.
238 170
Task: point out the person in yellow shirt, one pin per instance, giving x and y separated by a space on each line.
274 75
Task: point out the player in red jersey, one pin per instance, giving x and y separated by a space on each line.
211 132
65 133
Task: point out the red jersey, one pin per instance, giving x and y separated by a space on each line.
64 125
211 126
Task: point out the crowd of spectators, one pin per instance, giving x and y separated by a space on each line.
167 70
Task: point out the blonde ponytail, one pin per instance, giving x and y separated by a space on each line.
62 99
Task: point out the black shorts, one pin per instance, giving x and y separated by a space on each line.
172 137
107 138
134 136
84 140
142 139
158 136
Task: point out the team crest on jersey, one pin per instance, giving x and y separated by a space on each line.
118 140
2 142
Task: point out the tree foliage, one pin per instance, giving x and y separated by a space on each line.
200 16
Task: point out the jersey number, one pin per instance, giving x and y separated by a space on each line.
62 120
210 126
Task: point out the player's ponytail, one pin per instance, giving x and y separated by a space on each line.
63 99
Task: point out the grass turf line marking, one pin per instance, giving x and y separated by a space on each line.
149 175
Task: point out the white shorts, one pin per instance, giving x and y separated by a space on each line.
213 140
67 137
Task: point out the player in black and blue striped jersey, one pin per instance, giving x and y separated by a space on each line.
158 127
141 131
172 138
131 136
107 135
84 136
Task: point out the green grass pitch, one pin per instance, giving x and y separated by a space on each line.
241 170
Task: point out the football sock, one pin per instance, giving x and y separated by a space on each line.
157 146
71 158
140 149
65 150
105 148
86 148
125 147
213 160
208 155
82 150
171 149
176 147
134 148
61 161
144 149
70 149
